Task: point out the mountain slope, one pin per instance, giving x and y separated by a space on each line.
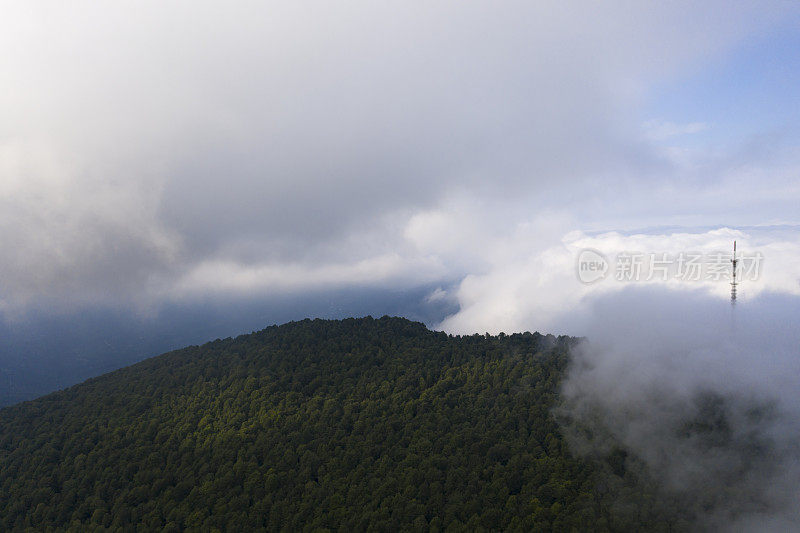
358 424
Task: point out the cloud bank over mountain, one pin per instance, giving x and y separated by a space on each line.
153 155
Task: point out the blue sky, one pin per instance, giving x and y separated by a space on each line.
748 91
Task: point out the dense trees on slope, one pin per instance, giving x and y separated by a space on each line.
357 424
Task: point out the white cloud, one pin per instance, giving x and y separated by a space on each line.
658 131
540 288
234 279
437 295
204 147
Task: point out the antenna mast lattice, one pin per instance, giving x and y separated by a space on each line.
734 261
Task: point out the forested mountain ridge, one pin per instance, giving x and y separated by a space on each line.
365 424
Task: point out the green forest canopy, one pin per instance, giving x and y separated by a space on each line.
359 424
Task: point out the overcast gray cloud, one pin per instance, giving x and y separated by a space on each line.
153 153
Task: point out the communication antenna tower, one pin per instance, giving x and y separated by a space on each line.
734 261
